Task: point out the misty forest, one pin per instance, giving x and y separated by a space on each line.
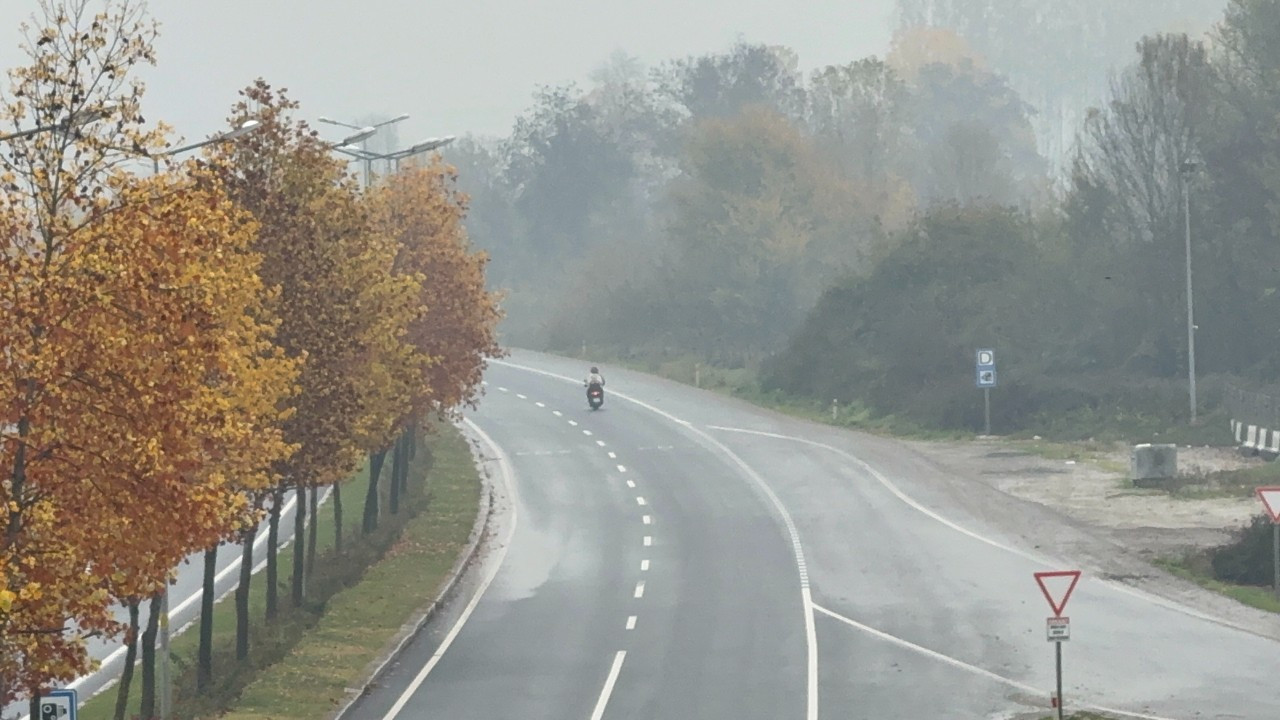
1010 175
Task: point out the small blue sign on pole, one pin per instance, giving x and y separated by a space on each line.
986 368
58 705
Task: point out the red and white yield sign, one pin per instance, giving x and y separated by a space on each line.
1057 587
1270 497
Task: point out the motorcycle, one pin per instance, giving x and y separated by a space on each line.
595 396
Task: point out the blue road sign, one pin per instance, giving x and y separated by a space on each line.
58 705
986 368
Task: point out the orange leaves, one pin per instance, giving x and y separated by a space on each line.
422 210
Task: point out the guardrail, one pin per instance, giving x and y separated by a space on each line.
1255 417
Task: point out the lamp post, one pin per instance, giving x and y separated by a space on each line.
364 146
163 680
395 157
72 121
1185 171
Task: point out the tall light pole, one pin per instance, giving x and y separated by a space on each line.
166 696
363 145
1185 171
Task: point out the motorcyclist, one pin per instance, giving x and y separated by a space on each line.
594 378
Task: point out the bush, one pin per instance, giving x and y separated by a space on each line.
1247 560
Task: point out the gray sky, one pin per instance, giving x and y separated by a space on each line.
457 67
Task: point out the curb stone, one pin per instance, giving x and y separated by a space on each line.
423 615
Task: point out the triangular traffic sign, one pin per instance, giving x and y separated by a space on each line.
1057 587
1270 497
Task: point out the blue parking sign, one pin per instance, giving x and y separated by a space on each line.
985 368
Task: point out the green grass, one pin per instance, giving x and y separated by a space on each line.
1256 597
446 458
361 620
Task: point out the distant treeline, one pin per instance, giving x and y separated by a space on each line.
856 233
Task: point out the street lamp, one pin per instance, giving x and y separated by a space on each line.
364 134
235 133
368 165
1185 171
76 119
395 157
241 130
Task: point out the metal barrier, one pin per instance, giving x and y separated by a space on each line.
1255 417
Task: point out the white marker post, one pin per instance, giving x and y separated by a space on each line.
1270 497
1057 587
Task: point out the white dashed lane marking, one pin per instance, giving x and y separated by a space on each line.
573 423
639 500
613 455
522 397
631 623
622 468
586 432
644 566
600 443
648 520
631 483
557 413
502 389
540 404
640 589
648 540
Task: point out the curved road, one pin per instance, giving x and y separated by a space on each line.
680 555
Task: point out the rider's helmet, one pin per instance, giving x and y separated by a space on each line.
595 370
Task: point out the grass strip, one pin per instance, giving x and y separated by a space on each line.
361 620
1256 597
440 506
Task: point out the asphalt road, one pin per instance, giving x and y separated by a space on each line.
785 570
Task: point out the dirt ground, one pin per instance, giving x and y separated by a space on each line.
1095 491
1086 509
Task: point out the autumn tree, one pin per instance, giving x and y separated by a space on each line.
319 250
454 333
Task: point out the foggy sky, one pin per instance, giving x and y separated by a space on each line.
457 67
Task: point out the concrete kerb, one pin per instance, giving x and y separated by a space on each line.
419 620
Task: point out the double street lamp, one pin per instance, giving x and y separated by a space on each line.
363 146
395 157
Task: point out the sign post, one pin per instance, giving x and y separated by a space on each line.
1270 497
986 379
1057 588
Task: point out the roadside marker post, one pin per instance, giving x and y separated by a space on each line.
1270 497
1057 587
985 378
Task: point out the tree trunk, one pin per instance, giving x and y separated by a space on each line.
407 452
297 587
130 659
412 431
397 466
148 704
312 529
273 550
242 592
337 519
204 662
371 497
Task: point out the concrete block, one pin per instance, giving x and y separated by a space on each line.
1152 465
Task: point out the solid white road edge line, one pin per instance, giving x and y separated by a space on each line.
1032 557
962 665
508 482
811 638
607 690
